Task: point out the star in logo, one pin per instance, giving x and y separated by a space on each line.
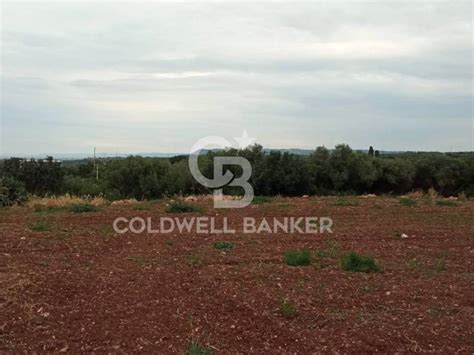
245 140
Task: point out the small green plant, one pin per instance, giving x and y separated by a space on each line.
358 263
83 208
288 309
194 260
298 257
224 246
40 226
259 200
169 242
181 207
447 203
196 348
407 202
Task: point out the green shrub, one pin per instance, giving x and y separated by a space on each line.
196 348
298 257
407 202
447 203
12 192
181 207
225 246
288 309
358 263
82 208
79 186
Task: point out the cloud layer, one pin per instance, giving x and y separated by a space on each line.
140 77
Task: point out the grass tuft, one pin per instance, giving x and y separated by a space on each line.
196 348
358 263
40 226
298 257
288 309
194 260
447 203
224 246
407 202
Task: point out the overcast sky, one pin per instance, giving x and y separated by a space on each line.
149 77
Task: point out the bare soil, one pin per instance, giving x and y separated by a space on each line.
78 286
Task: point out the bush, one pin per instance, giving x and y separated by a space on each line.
225 246
298 257
358 263
12 192
181 207
82 208
39 176
78 186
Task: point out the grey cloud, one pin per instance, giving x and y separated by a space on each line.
177 68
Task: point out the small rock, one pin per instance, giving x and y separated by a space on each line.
403 235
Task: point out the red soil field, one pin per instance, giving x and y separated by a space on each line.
75 285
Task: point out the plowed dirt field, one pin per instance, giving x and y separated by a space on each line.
70 283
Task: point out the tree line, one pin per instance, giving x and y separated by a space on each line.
323 172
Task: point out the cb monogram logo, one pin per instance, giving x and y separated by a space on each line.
222 179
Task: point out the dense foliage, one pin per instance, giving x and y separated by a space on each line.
324 171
